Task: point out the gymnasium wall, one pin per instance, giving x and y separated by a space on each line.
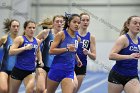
107 18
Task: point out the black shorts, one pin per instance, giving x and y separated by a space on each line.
80 70
20 74
7 72
3 69
47 69
116 78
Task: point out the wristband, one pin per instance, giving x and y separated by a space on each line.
38 64
67 49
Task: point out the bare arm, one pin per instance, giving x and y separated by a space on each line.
121 43
92 53
43 34
58 38
14 50
79 61
3 40
39 55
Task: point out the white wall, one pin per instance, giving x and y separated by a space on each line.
102 63
14 9
107 18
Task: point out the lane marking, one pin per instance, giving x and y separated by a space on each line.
85 81
94 86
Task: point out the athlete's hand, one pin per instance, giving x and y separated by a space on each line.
71 47
134 56
85 51
41 64
79 63
28 47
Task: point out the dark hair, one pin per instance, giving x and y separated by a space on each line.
26 24
7 24
68 18
44 27
127 22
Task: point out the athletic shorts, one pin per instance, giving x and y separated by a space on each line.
7 72
58 75
116 78
47 69
20 74
80 70
3 69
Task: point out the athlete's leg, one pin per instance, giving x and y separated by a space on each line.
14 85
51 86
133 86
80 74
114 88
4 79
114 82
80 79
40 80
75 84
29 82
45 91
67 85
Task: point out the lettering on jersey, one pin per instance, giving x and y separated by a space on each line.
50 42
85 43
139 48
134 48
35 46
76 43
9 46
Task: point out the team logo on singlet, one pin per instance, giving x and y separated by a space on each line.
50 42
134 48
85 43
76 43
139 48
35 46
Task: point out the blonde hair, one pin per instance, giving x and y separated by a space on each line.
84 14
125 28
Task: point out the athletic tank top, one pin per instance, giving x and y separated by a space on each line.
1 55
128 67
46 57
26 59
8 61
84 43
65 61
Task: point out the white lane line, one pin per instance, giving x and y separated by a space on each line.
90 79
85 81
22 92
94 86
